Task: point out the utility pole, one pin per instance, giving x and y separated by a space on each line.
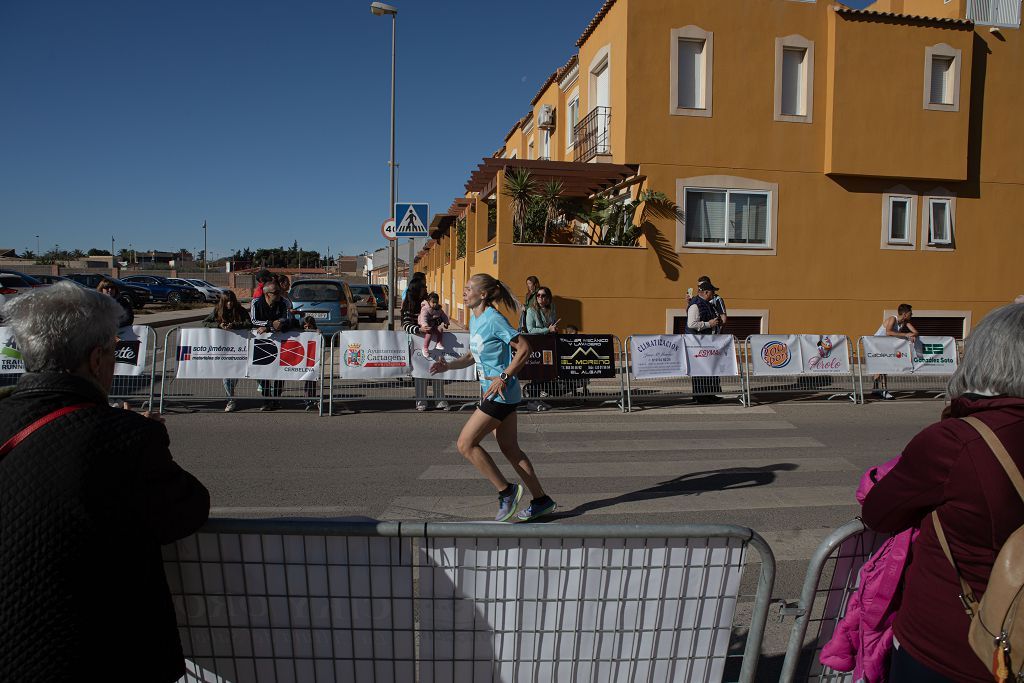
206 257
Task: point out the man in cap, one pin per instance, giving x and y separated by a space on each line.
701 319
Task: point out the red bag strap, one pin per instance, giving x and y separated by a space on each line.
41 422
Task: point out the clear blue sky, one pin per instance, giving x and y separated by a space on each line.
267 119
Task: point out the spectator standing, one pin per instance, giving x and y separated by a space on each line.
541 318
86 501
411 306
229 315
262 278
949 470
898 325
492 342
532 285
432 319
270 313
110 288
717 303
702 319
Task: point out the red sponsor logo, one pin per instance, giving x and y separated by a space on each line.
705 353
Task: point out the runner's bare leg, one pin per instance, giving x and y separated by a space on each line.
508 441
477 427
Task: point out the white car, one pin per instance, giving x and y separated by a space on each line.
209 288
209 292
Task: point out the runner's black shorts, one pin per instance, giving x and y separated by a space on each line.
499 411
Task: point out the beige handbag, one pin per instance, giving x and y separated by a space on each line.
996 635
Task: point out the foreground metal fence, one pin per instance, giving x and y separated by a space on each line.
830 581
134 388
323 601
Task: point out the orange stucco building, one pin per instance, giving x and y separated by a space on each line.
826 164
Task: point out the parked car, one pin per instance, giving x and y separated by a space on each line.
208 294
13 283
380 293
164 290
366 302
209 285
138 296
331 303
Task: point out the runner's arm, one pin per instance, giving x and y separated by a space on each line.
463 361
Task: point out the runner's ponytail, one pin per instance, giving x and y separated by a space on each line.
495 290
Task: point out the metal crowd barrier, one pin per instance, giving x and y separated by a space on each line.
835 385
131 388
193 394
904 382
603 390
831 578
403 389
676 389
302 600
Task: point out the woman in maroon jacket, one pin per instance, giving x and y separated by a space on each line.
949 468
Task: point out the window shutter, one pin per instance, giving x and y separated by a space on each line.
941 90
938 326
792 81
691 74
748 218
705 216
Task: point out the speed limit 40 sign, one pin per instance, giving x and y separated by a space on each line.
389 229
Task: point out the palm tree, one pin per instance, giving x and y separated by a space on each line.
520 188
551 197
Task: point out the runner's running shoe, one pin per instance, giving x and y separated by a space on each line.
507 505
538 508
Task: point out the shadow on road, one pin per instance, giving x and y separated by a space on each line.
692 484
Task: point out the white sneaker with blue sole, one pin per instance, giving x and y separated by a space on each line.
507 505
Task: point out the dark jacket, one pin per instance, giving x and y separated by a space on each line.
264 314
410 317
949 468
85 503
128 313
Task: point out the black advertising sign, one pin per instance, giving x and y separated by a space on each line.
585 355
541 365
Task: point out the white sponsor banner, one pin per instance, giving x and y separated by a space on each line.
211 353
607 588
373 353
887 355
10 356
711 355
825 354
453 345
287 355
130 352
658 355
776 354
935 356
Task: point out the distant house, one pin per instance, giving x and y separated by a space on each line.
8 253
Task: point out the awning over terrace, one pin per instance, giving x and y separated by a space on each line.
578 179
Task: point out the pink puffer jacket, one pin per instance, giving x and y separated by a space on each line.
863 638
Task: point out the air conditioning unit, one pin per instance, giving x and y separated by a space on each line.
546 117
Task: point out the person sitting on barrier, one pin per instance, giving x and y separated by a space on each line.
310 386
701 319
270 313
948 469
432 319
717 303
898 325
86 501
415 295
541 318
229 315
492 342
110 288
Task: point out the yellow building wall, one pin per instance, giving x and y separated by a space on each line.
611 33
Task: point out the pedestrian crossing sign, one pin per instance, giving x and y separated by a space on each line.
412 220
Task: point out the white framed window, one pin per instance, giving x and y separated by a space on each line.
794 79
726 217
941 78
691 67
940 221
572 118
900 226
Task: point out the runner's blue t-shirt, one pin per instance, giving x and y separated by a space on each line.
489 337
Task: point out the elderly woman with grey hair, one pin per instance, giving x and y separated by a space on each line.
949 470
88 494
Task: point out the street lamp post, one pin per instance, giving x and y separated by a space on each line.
206 256
381 9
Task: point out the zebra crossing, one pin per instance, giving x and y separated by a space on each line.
725 464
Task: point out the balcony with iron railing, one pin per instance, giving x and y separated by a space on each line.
591 135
